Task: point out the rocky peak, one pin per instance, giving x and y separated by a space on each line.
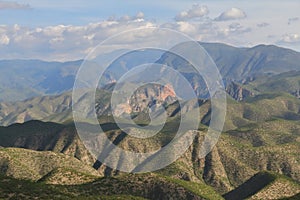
146 97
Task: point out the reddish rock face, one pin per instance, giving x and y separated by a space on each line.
145 97
167 91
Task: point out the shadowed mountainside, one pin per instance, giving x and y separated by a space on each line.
264 185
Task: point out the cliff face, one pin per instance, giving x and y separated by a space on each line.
146 97
296 93
237 91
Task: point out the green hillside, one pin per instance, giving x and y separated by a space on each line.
148 186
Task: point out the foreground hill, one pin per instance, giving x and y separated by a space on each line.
148 186
49 166
240 154
66 183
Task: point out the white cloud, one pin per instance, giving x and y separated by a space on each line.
70 42
4 40
187 27
290 38
126 18
54 31
13 5
196 11
64 42
233 33
232 14
140 15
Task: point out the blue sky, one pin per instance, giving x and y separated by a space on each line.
47 29
79 12
53 12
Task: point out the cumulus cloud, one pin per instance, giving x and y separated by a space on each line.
210 31
232 14
290 38
126 18
13 5
70 42
64 42
197 11
4 40
140 15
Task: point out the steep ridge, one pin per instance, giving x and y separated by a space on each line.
238 65
242 64
48 136
39 108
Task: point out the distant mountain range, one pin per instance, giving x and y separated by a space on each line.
23 79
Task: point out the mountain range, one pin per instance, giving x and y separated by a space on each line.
256 157
23 79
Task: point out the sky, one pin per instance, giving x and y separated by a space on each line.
68 30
